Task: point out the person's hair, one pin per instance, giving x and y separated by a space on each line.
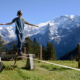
19 13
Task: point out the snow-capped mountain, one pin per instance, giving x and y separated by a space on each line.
63 32
55 27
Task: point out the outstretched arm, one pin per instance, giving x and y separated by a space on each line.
10 22
32 25
29 23
6 23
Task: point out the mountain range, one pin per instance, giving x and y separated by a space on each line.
63 32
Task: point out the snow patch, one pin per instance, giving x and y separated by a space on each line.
72 16
43 24
1 28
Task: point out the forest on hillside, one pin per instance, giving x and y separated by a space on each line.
33 47
71 55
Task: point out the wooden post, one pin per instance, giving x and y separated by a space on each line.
40 52
24 50
78 55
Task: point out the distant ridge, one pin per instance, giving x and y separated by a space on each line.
71 55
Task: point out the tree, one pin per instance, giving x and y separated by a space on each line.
14 48
7 50
51 52
36 47
28 45
71 57
32 47
1 44
44 52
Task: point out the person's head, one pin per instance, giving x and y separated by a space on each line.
19 13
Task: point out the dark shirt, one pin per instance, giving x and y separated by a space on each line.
19 25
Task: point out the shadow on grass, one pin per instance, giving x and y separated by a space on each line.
59 69
2 67
10 67
27 68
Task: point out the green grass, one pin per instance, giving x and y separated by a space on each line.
53 68
42 71
67 63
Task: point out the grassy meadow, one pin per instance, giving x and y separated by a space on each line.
42 71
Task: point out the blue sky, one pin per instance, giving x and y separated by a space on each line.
38 11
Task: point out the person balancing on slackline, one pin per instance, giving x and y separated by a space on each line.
19 30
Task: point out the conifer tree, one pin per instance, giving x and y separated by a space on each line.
14 48
48 51
44 52
28 45
7 49
1 44
36 47
71 57
51 52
